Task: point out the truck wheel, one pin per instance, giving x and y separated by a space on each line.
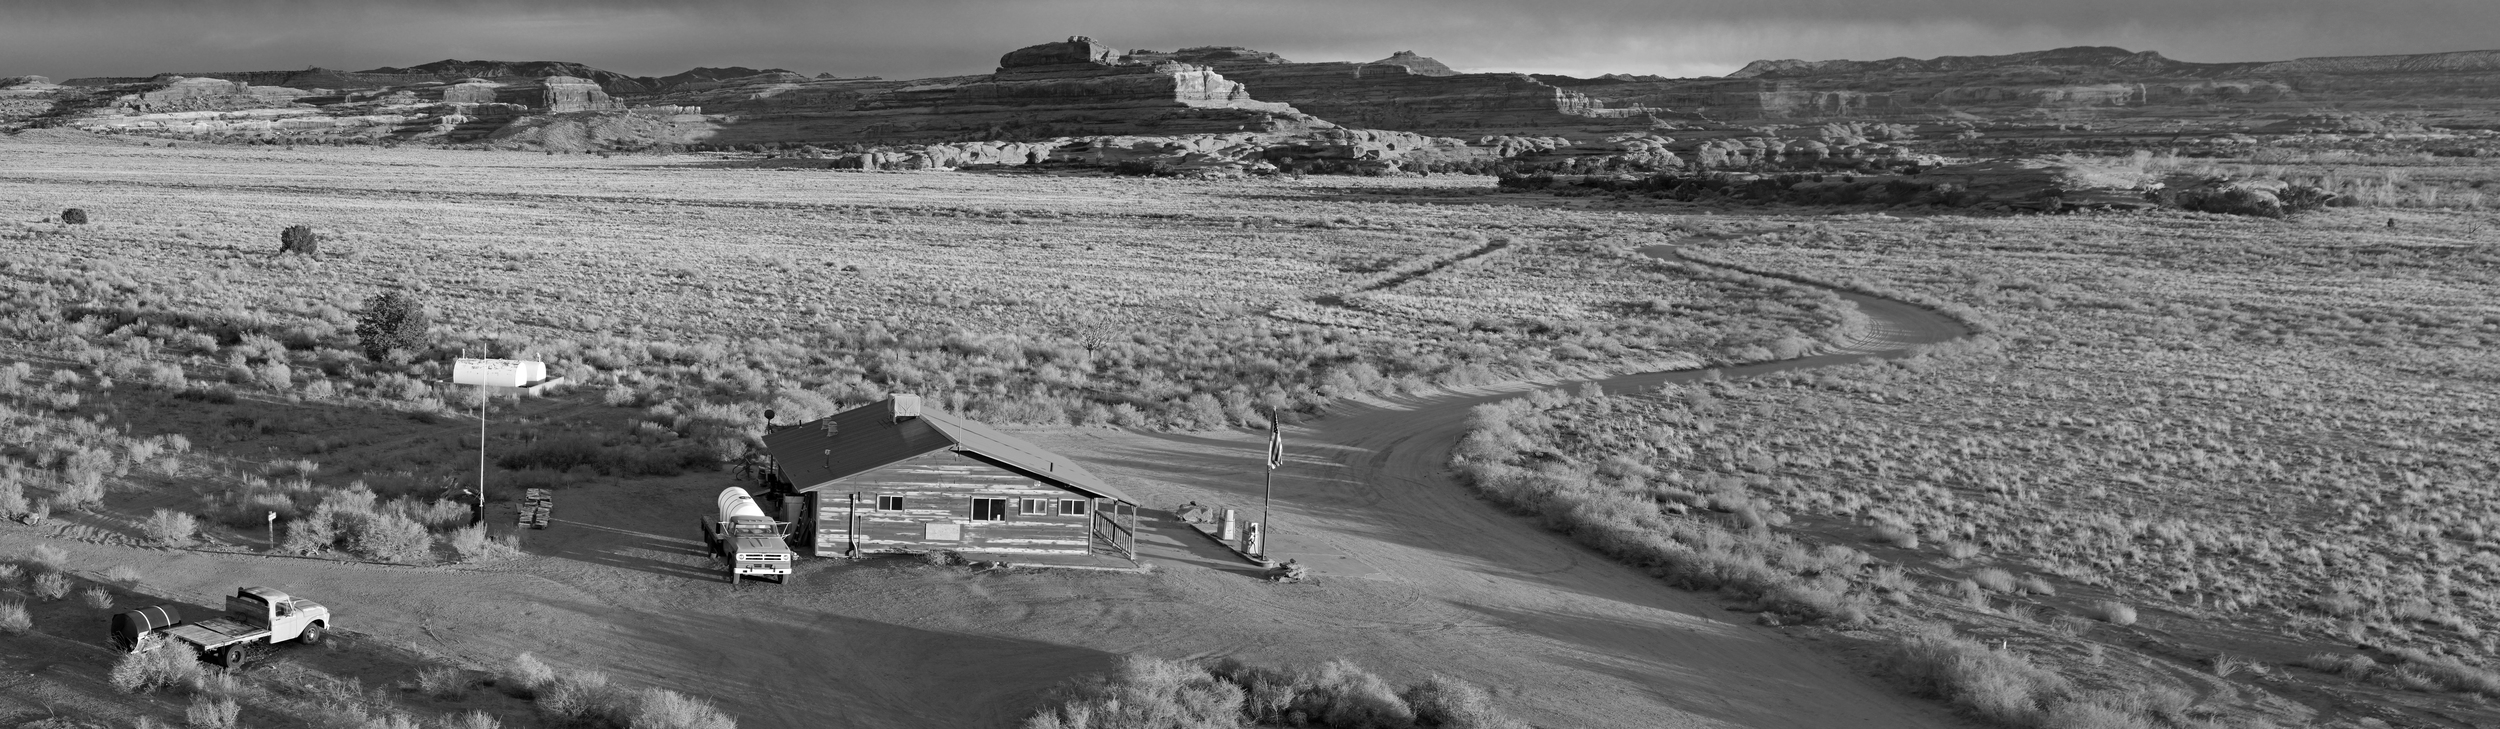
313 634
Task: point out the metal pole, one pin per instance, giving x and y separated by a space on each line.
1267 528
479 517
1267 496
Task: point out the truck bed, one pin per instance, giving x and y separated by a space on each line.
215 632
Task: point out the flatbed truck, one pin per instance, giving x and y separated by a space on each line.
254 616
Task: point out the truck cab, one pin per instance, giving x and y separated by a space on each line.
286 617
265 615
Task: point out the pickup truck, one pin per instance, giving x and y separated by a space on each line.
254 616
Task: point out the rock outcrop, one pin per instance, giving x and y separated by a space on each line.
608 81
1415 64
556 94
1077 53
1076 87
178 93
1399 97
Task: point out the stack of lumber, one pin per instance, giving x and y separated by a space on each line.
537 508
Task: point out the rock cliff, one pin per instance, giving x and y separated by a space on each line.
1773 113
1062 89
2114 81
1410 93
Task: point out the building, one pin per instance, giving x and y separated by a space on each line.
893 476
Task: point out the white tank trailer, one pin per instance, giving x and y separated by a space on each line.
743 537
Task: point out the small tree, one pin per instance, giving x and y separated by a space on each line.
390 320
299 239
74 216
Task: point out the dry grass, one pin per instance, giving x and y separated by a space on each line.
526 676
211 713
2166 409
684 311
659 708
165 667
443 683
51 585
1145 692
170 528
14 619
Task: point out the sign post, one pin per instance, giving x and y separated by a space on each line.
273 531
485 373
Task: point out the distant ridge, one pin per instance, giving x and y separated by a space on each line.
2099 57
2120 59
707 74
449 69
453 70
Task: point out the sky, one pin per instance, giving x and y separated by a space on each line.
919 38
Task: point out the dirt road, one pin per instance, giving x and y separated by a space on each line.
1416 576
1370 497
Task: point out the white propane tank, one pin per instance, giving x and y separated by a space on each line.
734 503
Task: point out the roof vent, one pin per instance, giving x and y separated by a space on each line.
905 406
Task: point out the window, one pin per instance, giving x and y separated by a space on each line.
989 509
1035 507
1073 507
889 503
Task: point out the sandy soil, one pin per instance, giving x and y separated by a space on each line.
1414 576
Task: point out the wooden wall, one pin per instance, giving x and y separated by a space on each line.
938 488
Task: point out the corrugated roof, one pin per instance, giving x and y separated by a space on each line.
864 438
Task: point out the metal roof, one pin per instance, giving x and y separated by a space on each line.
813 455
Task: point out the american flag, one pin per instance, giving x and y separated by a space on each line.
1275 445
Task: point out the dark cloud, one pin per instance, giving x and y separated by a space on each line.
63 38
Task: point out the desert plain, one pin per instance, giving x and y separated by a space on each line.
1603 455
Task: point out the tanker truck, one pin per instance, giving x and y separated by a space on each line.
750 543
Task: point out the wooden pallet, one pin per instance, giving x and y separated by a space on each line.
537 508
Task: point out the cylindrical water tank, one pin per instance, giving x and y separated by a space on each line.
734 502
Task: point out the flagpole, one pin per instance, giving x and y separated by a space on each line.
1267 528
1267 496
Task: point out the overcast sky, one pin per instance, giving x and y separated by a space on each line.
914 38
